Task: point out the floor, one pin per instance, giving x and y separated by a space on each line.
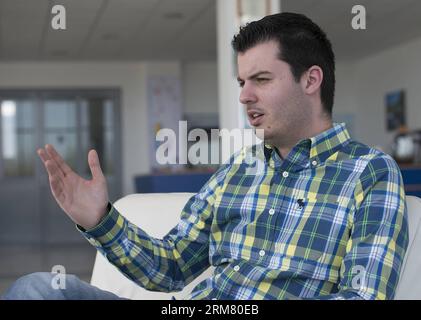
18 260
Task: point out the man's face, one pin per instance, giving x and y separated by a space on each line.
275 102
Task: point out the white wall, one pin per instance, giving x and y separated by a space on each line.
360 91
130 77
200 84
374 76
345 103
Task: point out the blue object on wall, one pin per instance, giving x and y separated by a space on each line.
189 182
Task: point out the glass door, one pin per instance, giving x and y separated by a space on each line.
73 121
99 131
59 128
36 234
19 195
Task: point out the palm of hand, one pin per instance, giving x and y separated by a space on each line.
84 201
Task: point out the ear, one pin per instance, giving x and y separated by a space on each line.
312 79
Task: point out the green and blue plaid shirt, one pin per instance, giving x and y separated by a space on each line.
327 222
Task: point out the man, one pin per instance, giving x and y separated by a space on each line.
325 218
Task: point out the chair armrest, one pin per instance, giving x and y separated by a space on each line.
156 213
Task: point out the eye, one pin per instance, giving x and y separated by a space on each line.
241 84
262 80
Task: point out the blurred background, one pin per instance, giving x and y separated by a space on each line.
123 69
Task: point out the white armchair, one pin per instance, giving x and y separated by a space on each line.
157 213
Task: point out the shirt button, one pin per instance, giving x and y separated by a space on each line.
314 163
285 174
236 268
271 212
262 253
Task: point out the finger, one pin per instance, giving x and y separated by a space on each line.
54 174
62 165
94 164
53 170
43 155
58 193
56 185
47 155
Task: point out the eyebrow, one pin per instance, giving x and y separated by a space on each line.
255 75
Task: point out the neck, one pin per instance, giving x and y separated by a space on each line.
285 149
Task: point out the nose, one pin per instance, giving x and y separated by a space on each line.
247 94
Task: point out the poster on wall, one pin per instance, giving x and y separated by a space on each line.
395 110
164 112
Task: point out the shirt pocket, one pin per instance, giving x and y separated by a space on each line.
314 230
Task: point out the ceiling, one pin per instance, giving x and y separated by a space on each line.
127 30
108 30
389 23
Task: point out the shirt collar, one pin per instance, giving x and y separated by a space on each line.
329 142
319 148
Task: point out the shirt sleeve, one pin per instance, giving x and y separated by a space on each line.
166 264
379 237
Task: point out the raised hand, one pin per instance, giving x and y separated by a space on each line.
84 201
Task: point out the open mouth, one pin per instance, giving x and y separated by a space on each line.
255 118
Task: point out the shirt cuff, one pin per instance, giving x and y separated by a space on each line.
108 231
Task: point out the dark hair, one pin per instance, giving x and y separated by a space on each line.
302 45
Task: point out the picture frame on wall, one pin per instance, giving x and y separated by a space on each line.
395 110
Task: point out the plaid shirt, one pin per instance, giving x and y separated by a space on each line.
327 222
